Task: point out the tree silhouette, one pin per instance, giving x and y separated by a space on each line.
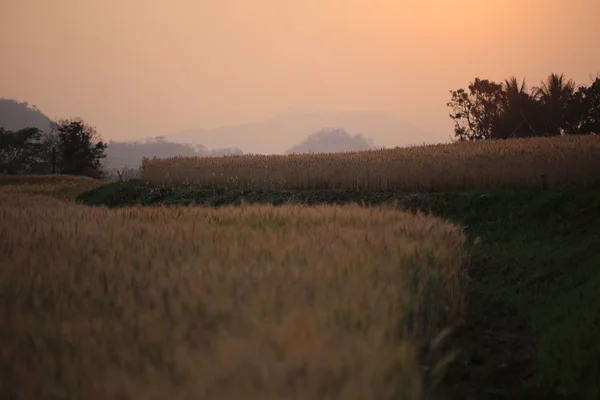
21 151
499 111
476 112
555 93
583 111
80 149
519 110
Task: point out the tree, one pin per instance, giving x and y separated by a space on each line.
555 94
476 112
583 110
520 110
20 151
80 149
497 111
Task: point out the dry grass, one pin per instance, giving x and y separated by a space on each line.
254 302
63 187
511 163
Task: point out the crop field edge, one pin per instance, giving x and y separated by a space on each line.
48 221
522 338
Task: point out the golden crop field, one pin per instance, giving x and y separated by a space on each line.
253 302
515 163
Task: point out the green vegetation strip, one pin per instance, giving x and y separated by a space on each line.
534 302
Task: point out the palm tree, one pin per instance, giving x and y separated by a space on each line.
517 103
554 94
513 89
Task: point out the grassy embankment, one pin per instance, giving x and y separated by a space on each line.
534 301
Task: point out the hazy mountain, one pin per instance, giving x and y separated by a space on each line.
16 115
277 134
130 154
332 141
283 133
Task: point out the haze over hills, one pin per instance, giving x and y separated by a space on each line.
294 132
130 154
332 141
15 115
277 134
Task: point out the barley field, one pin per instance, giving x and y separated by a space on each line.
515 163
253 302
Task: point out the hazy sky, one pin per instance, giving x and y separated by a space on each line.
139 68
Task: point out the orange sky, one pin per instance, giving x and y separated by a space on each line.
139 68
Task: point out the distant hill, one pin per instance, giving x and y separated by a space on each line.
130 154
277 134
332 141
125 158
16 115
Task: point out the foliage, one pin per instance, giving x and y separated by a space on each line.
69 147
584 109
79 147
475 112
520 112
20 151
554 95
509 109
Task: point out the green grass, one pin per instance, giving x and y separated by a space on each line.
534 301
